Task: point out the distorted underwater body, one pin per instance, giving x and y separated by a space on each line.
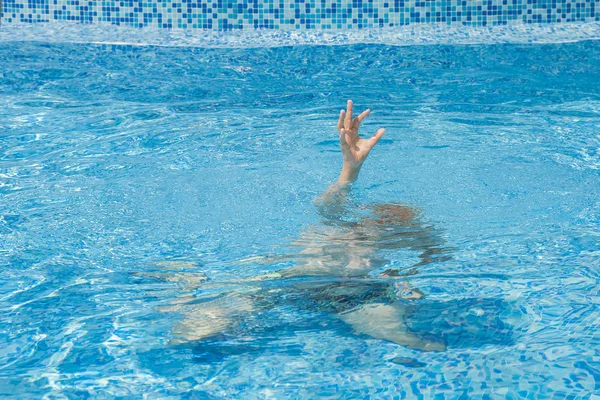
163 231
337 271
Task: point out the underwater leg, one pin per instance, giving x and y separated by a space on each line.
386 322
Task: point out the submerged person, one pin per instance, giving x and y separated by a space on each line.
341 263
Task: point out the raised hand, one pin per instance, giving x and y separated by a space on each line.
354 148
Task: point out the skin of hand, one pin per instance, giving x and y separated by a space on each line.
354 148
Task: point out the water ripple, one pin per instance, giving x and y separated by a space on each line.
142 185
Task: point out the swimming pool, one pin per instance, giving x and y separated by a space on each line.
130 173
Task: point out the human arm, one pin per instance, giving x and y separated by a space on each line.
354 152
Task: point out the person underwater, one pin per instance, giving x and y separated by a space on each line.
340 267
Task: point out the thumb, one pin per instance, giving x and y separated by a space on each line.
378 135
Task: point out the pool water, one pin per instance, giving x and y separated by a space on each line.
140 185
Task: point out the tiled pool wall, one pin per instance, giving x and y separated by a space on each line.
224 15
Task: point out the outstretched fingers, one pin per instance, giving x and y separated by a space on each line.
348 129
360 118
348 120
340 124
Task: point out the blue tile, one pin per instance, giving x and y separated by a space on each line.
299 14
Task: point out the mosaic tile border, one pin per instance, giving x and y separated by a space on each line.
227 15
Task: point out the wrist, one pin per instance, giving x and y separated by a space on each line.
349 173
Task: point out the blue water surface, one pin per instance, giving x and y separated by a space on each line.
129 174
